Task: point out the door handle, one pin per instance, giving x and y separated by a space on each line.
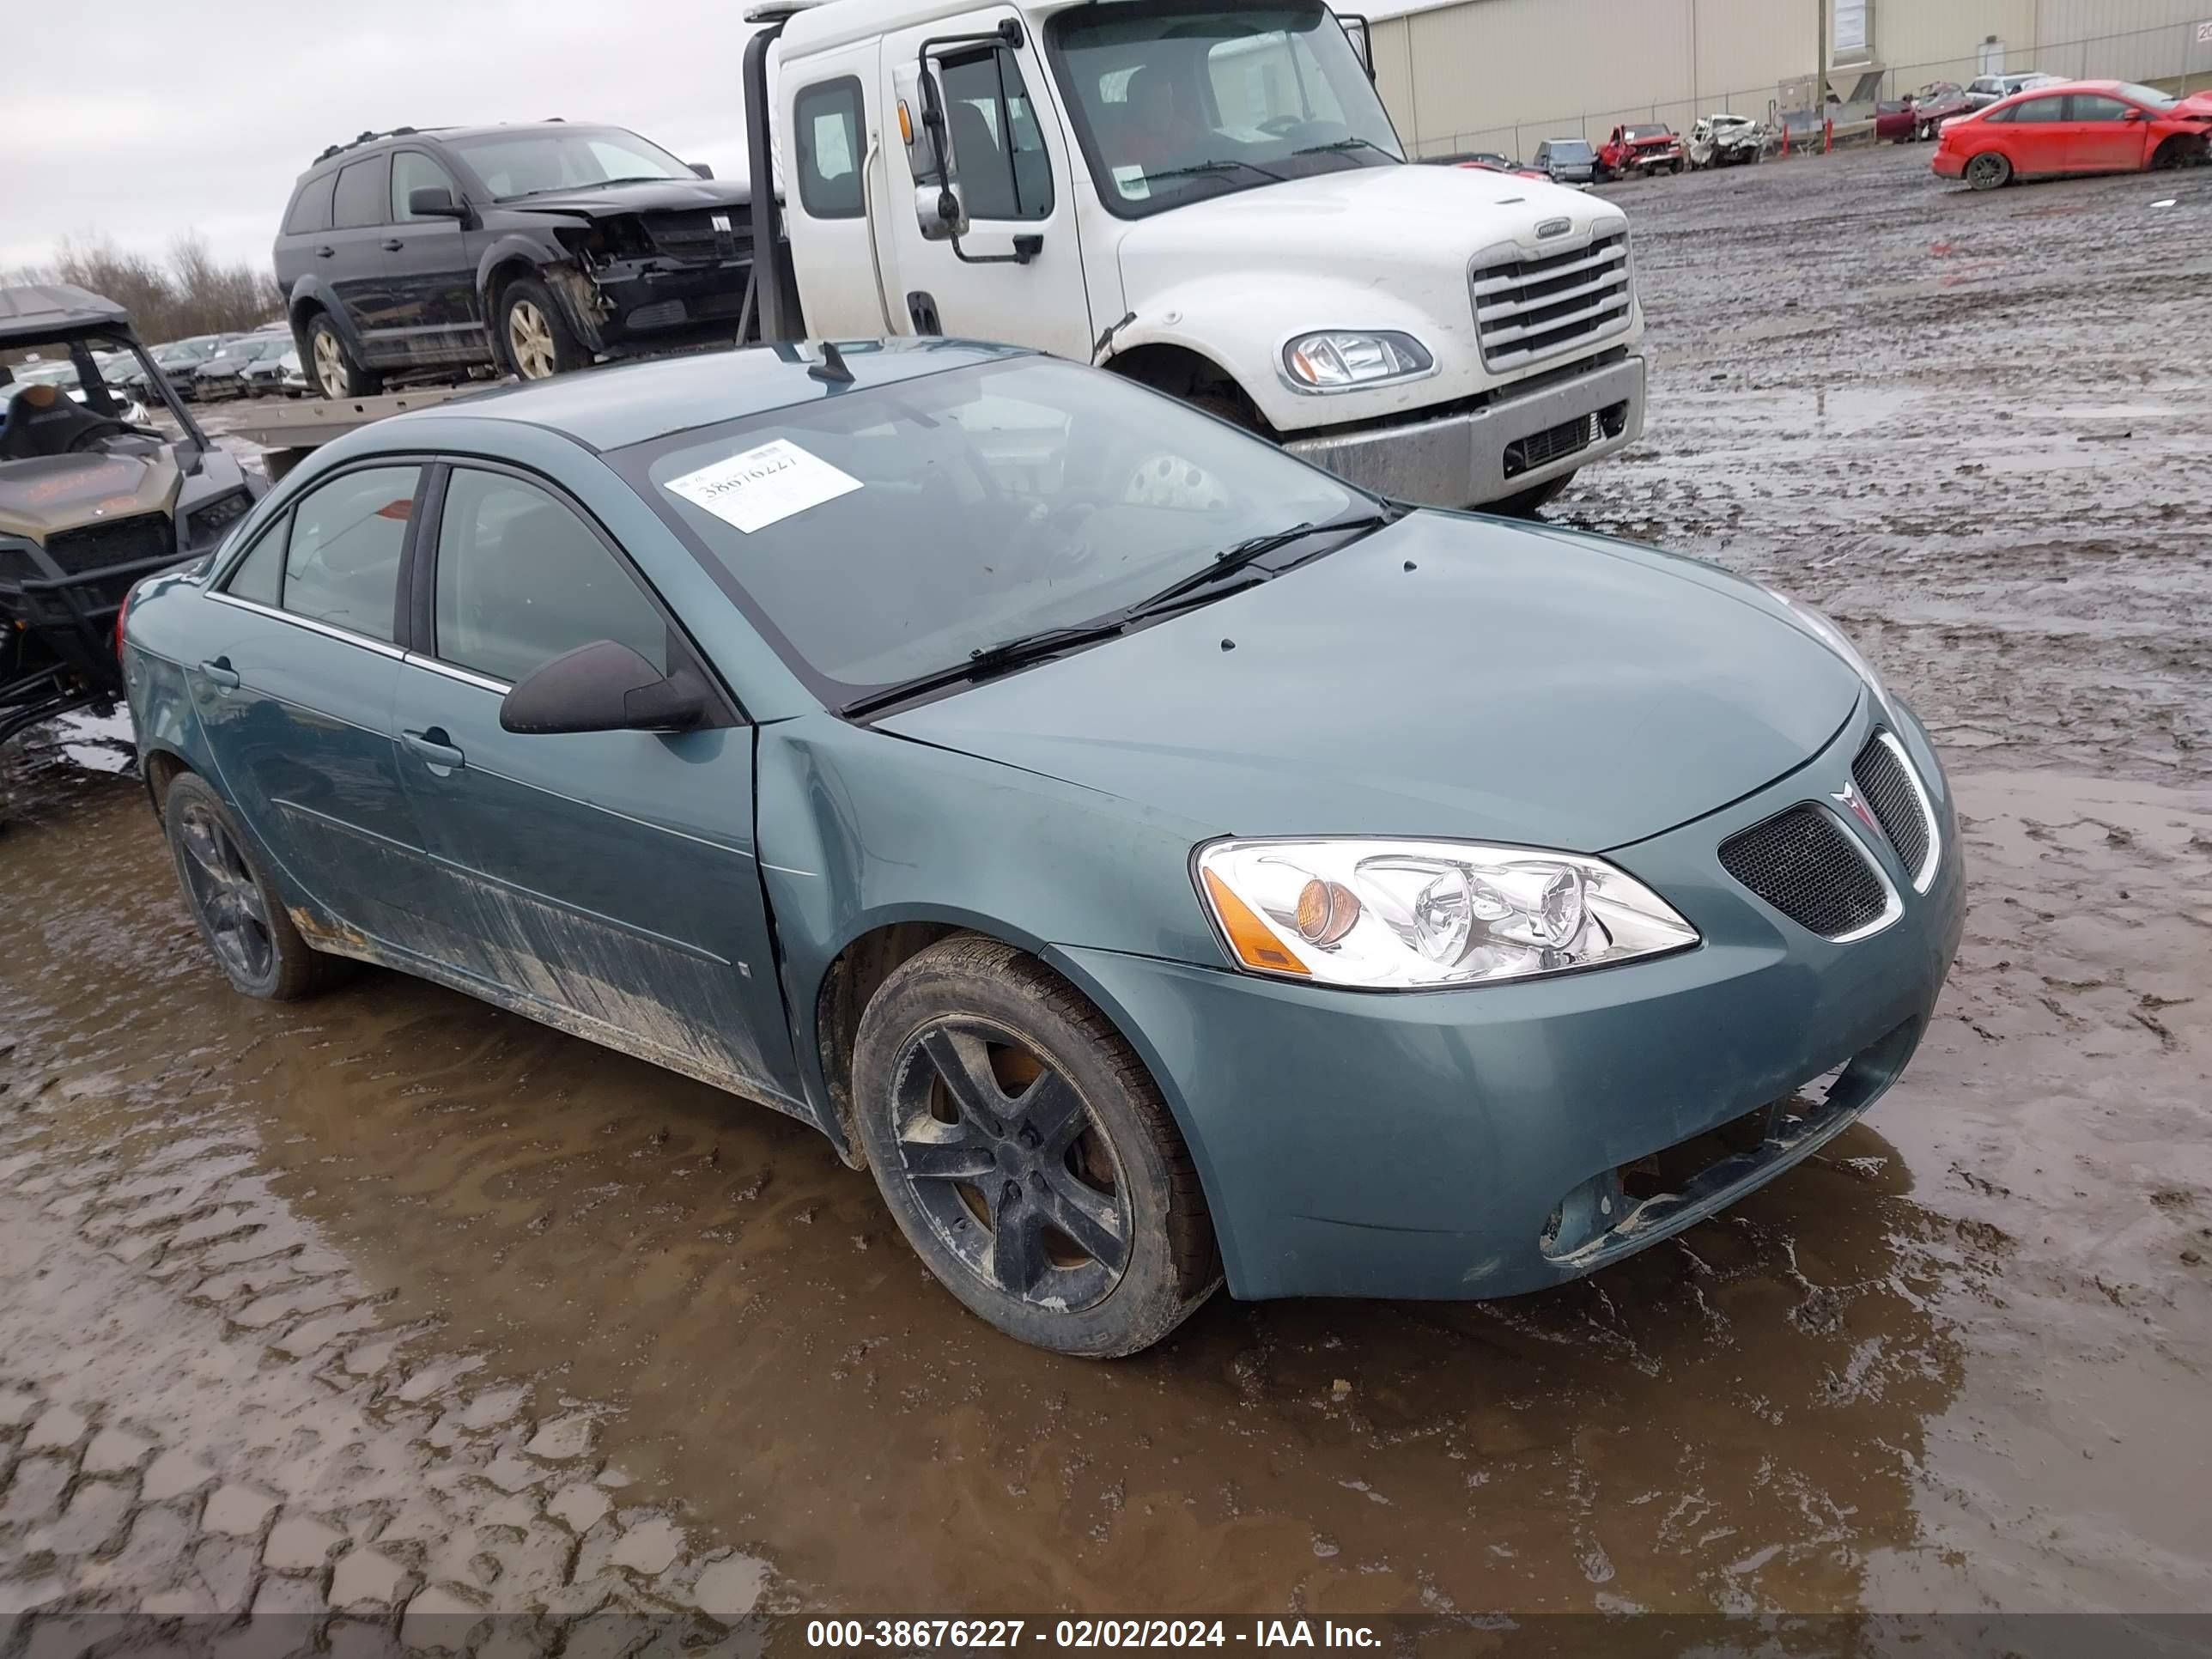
325 253
393 245
221 674
436 749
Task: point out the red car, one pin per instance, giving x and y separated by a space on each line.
1918 114
1638 150
2081 126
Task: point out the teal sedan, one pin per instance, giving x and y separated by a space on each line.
1157 861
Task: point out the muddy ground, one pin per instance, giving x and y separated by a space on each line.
390 1295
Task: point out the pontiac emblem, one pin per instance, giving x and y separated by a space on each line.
1856 803
1553 227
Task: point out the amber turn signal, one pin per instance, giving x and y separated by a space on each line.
1248 936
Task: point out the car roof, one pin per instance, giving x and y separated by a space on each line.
626 403
369 143
40 311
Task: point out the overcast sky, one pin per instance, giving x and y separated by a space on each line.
202 116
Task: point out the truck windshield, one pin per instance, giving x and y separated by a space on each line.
894 531
1174 103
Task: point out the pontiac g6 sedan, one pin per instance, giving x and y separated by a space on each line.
1155 861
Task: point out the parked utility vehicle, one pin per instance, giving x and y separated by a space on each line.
1206 198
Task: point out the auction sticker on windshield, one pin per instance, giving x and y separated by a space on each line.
759 486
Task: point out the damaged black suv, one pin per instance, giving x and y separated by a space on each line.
531 249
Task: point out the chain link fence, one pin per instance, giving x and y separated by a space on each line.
2171 56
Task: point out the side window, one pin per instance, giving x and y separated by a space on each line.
521 579
361 199
341 564
828 119
311 208
260 574
998 157
2001 116
411 170
2089 107
2039 109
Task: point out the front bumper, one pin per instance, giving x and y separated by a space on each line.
1465 460
1457 1144
654 304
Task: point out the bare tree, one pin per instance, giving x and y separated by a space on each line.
193 294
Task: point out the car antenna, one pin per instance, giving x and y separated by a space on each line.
831 369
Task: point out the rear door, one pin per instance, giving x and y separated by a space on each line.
356 264
296 694
431 276
2107 135
2040 137
606 879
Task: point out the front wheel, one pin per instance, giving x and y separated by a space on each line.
1988 171
538 342
1026 1154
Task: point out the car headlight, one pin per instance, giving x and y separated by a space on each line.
1337 361
1837 640
1390 915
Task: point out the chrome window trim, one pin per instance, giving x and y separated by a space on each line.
330 630
1925 877
465 676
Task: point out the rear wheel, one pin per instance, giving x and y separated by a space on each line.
1026 1154
534 335
332 368
240 916
1988 171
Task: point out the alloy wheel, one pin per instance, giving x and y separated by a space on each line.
331 364
1015 1173
529 340
227 897
1986 171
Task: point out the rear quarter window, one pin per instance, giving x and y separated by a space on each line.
311 206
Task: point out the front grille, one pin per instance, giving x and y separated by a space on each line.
1525 309
1881 773
691 236
1540 449
1806 864
118 541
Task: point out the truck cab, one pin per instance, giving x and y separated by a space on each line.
1209 199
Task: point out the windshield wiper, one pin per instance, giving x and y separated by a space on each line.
1343 144
1231 560
986 662
1223 165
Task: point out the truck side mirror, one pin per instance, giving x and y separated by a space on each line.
942 212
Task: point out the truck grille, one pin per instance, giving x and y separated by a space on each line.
1541 448
1525 309
1806 865
118 541
691 236
1890 791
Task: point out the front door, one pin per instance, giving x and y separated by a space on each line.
1011 163
295 695
605 880
430 271
2108 135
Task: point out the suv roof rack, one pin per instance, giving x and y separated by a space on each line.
365 138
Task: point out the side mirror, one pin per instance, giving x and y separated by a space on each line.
942 210
2132 115
434 202
603 687
702 169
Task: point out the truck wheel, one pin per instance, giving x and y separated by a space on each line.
1988 171
331 366
533 333
241 918
1524 505
1026 1154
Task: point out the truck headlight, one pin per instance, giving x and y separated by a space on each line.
1394 915
1337 361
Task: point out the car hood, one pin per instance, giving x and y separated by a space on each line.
1450 676
653 196
1414 218
44 495
2197 107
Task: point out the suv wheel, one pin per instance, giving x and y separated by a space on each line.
331 367
533 333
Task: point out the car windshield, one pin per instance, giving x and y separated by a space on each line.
1174 103
1639 134
534 162
2148 97
1571 149
882 535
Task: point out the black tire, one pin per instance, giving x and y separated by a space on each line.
1988 171
535 341
1525 504
2183 149
332 369
1026 1154
1223 406
240 916
1677 166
